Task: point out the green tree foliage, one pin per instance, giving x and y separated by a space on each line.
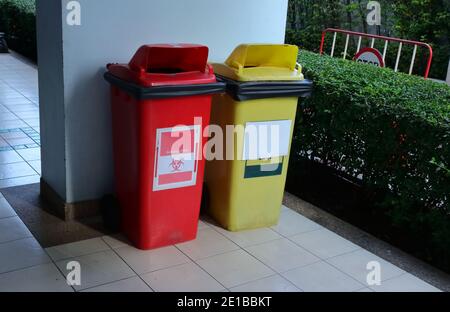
18 21
422 20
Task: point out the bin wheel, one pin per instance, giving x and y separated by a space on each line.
110 210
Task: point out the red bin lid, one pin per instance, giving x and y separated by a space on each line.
167 64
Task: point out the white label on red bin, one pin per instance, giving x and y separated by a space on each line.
176 159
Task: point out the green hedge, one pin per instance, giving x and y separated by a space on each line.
384 130
18 21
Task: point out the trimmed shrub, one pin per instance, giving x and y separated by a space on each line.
18 22
385 131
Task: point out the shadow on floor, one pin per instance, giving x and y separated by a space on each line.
49 230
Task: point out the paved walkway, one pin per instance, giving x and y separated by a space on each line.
296 255
19 123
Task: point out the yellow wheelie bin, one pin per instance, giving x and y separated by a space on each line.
245 184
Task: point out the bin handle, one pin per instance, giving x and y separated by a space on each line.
209 69
298 67
239 66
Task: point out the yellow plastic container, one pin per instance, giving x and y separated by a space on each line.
264 84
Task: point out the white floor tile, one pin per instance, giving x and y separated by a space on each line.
16 170
275 283
282 255
145 261
292 223
36 165
32 122
16 134
4 144
98 269
6 211
322 277
20 181
355 265
5 116
41 278
12 97
202 225
116 241
13 229
208 243
21 107
249 238
405 283
9 157
77 249
132 284
12 124
27 115
235 268
20 141
284 208
183 278
20 254
30 154
324 243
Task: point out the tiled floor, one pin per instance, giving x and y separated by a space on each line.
19 122
310 258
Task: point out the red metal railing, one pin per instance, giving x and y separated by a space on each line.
386 40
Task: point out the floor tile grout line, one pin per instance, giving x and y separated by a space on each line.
12 87
252 245
347 253
58 268
319 257
398 276
18 177
12 217
81 255
19 118
215 255
262 278
325 260
270 268
45 252
12 163
222 253
14 184
126 263
109 283
25 268
282 237
242 247
17 239
354 278
24 161
198 265
89 254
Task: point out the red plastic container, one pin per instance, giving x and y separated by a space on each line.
161 104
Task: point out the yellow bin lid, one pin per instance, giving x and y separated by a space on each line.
262 62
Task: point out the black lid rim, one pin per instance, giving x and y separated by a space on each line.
252 90
161 92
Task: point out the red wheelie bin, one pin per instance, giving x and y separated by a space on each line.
161 104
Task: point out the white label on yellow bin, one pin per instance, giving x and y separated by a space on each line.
267 139
176 157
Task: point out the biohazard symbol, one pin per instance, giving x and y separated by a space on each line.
176 165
